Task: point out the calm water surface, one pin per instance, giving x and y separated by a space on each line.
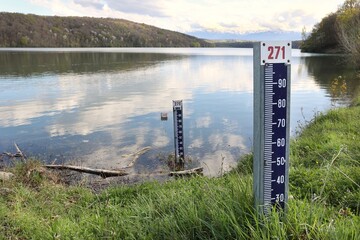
97 106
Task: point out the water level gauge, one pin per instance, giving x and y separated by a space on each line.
271 124
179 134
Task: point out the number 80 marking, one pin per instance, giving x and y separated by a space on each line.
281 103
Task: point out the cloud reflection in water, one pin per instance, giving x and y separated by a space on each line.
112 106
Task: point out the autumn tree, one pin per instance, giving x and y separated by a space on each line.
348 27
337 32
323 36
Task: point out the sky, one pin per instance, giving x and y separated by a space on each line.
191 16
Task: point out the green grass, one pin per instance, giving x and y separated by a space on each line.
324 198
197 208
325 159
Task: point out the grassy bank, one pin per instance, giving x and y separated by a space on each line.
324 203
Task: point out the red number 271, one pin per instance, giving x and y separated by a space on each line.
274 52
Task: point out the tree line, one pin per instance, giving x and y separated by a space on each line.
28 30
338 32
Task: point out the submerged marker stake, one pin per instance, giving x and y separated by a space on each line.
178 134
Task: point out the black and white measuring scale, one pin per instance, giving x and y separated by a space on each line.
272 61
178 133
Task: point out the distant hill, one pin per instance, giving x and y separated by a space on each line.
244 44
20 30
250 36
232 43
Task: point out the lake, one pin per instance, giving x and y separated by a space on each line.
96 107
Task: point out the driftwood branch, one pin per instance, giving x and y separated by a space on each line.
101 172
118 173
18 154
104 173
136 156
188 172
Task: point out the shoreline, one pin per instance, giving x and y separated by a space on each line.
324 202
97 184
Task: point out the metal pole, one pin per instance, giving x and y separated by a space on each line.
271 124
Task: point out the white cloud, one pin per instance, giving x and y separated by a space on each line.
212 15
150 8
97 4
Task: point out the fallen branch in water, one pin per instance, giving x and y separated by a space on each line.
104 173
136 156
101 172
118 173
188 172
18 154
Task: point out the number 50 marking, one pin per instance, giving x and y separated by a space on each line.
274 52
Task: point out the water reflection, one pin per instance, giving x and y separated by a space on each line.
18 63
335 74
97 107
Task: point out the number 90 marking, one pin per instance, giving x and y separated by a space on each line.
282 83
